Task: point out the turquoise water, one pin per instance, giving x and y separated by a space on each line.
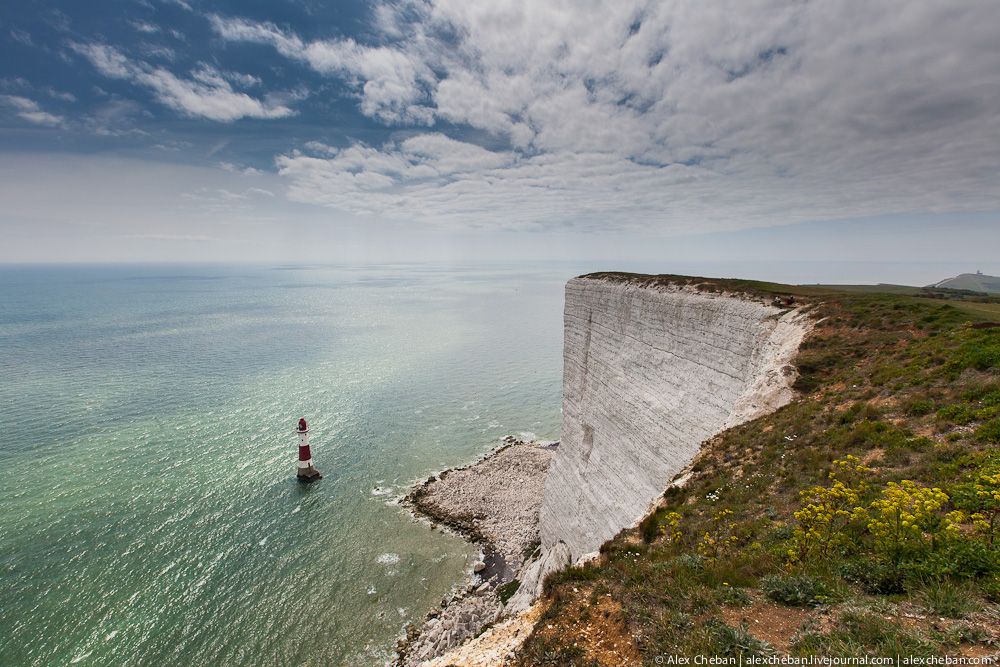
149 513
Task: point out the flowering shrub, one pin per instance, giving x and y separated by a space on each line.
720 539
670 528
823 521
904 521
828 512
908 516
850 470
979 503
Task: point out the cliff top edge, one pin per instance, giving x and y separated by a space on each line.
768 290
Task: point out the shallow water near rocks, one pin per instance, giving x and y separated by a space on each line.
150 513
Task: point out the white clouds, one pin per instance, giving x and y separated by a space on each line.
115 118
219 199
464 98
449 156
158 51
22 84
213 77
425 157
433 179
677 115
59 95
145 27
108 60
236 169
208 93
21 36
178 3
390 81
672 115
30 111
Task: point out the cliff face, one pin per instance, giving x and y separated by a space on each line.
649 374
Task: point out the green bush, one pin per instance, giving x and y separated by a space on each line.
962 558
986 394
733 642
954 558
550 652
980 351
506 591
989 432
851 414
691 561
779 535
991 589
579 573
870 434
875 577
797 590
920 407
735 596
958 413
650 527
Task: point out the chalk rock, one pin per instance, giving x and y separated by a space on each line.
533 576
649 373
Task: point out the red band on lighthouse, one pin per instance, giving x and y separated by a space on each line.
306 471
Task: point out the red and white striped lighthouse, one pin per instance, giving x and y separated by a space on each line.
306 473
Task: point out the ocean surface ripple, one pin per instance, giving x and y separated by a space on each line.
149 513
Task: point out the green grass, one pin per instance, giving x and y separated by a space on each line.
506 591
551 652
799 590
726 641
860 632
949 598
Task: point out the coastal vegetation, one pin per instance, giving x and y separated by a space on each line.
860 519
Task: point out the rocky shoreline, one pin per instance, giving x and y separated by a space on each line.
494 503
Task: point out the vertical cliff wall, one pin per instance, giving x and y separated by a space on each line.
649 374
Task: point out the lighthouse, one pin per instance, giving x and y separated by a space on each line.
306 472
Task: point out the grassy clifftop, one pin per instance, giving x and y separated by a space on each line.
861 519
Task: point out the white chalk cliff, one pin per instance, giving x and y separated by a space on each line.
649 374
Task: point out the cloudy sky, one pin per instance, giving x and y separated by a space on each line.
443 129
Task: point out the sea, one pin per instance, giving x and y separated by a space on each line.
149 511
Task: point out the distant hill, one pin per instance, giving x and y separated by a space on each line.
977 282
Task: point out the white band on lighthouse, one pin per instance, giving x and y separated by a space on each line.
306 472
